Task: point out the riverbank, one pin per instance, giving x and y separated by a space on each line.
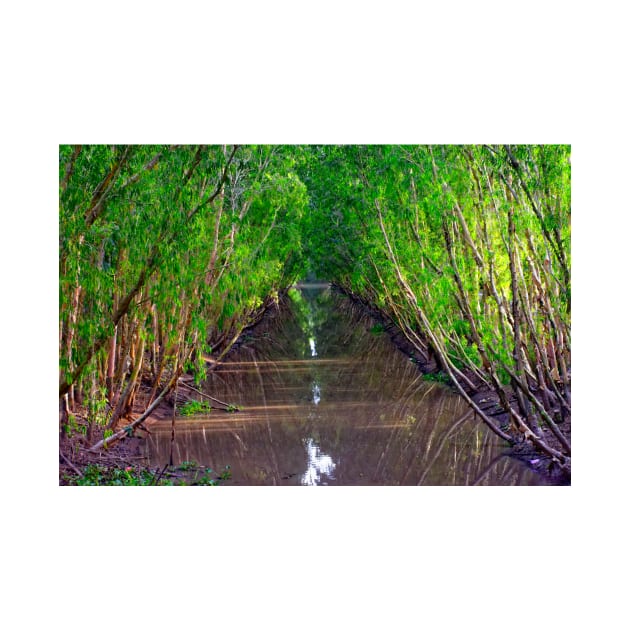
124 461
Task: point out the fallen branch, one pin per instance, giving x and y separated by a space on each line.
127 430
206 395
154 481
76 470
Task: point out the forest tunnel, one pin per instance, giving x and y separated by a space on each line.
167 253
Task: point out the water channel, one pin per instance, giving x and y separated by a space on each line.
325 398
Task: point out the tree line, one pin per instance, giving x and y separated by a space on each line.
467 249
167 253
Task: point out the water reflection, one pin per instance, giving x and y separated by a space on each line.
378 421
316 394
318 465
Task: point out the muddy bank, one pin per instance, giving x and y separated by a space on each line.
124 462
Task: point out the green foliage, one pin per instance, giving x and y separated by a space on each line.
423 232
97 475
73 426
201 234
188 465
193 407
436 377
98 407
206 479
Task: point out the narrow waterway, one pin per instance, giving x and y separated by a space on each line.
325 398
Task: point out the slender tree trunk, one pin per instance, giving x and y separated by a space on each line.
111 367
147 271
125 401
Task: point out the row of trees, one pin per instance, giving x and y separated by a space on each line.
168 252
467 249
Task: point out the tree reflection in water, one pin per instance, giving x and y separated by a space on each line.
351 411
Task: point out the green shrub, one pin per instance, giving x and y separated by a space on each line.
193 407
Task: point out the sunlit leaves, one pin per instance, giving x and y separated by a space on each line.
378 221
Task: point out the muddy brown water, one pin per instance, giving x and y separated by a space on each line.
326 399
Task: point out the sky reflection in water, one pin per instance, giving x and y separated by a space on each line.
318 464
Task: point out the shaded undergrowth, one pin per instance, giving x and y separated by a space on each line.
185 474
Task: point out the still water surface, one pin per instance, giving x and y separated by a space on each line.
326 399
